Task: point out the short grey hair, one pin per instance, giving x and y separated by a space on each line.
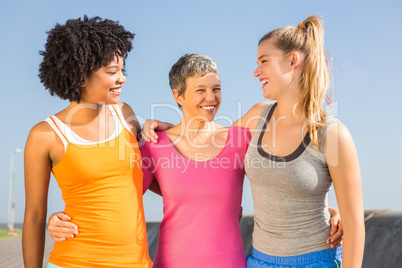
187 66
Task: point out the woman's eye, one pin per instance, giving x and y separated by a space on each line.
217 89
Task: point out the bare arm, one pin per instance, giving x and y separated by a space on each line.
344 168
130 118
37 167
250 119
148 129
150 125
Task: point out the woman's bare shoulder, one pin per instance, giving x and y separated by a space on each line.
41 136
249 119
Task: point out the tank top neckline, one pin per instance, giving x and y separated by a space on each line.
74 138
292 156
192 160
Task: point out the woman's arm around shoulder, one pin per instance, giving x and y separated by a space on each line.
37 166
149 128
130 118
343 164
250 119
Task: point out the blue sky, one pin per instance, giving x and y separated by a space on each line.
363 37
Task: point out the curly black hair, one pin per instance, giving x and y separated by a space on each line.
78 48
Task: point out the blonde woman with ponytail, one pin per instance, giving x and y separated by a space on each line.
296 153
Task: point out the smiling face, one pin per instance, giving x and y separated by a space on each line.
202 97
274 70
104 85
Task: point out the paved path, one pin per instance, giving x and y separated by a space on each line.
11 252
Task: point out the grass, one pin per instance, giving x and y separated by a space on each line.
4 234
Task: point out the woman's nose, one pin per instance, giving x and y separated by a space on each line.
210 96
257 71
122 79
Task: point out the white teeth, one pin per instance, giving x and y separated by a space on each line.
263 82
115 90
208 107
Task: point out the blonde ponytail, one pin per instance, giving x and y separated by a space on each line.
315 79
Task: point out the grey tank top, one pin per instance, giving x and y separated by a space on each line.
290 194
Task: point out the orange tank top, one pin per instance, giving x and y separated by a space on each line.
101 184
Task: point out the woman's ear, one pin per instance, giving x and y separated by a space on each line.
295 59
84 84
179 98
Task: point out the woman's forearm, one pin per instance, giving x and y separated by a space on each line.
33 242
353 244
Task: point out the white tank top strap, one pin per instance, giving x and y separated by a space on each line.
118 126
121 117
51 120
67 135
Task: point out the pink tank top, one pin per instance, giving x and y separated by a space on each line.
202 201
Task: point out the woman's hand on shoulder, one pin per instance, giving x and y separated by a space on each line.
60 228
149 128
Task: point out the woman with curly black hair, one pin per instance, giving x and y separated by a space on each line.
91 148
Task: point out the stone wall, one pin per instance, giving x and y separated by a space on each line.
383 247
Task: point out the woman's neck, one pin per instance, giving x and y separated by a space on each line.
82 112
195 130
285 109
